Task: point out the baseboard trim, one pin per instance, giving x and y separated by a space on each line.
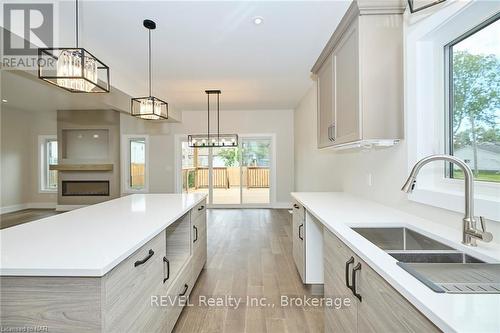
29 205
66 208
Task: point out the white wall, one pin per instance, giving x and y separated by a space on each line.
162 140
19 156
313 167
328 170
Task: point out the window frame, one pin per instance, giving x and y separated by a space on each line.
125 164
43 166
426 104
448 63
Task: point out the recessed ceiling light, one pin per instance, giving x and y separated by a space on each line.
257 20
4 100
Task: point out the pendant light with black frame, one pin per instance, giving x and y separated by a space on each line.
212 140
150 107
73 68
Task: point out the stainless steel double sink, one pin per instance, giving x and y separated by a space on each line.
440 267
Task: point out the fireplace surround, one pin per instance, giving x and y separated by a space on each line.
89 157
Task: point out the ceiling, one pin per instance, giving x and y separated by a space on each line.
207 45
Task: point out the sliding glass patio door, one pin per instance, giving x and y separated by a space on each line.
255 169
231 176
226 175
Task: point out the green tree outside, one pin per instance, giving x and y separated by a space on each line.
476 103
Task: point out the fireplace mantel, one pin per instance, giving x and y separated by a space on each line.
81 167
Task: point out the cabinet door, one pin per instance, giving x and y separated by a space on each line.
336 254
325 102
383 309
347 126
129 286
199 245
298 239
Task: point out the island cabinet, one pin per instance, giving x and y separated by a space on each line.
359 75
145 292
372 304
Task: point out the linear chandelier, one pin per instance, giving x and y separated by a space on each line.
150 107
215 139
73 68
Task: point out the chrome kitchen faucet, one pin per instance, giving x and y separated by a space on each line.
470 231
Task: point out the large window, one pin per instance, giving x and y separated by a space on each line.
135 163
47 157
474 101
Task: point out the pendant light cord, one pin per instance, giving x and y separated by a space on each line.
208 114
218 122
149 62
76 20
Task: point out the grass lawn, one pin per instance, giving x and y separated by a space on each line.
489 176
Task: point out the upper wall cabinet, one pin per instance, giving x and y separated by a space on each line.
360 78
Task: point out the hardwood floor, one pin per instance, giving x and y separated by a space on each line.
250 254
23 216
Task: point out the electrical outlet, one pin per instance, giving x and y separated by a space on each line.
369 179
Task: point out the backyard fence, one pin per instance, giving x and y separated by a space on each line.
257 177
225 177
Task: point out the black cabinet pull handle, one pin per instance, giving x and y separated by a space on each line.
201 207
140 262
347 264
168 269
186 287
356 268
296 206
301 226
195 233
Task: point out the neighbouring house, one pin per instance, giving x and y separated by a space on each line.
488 156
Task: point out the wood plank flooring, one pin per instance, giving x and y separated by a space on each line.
250 254
23 216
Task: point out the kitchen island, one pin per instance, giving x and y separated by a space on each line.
101 268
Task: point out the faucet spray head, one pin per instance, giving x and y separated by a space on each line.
409 185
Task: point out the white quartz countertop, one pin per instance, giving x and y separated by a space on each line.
89 241
450 312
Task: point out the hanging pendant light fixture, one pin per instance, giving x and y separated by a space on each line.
215 139
74 69
149 108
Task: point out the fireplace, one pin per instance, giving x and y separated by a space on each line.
85 188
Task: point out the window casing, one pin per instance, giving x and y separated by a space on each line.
47 156
426 103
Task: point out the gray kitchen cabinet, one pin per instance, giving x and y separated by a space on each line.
375 305
325 102
335 253
298 239
359 77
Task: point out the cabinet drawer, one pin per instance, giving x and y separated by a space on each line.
178 294
129 285
199 209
